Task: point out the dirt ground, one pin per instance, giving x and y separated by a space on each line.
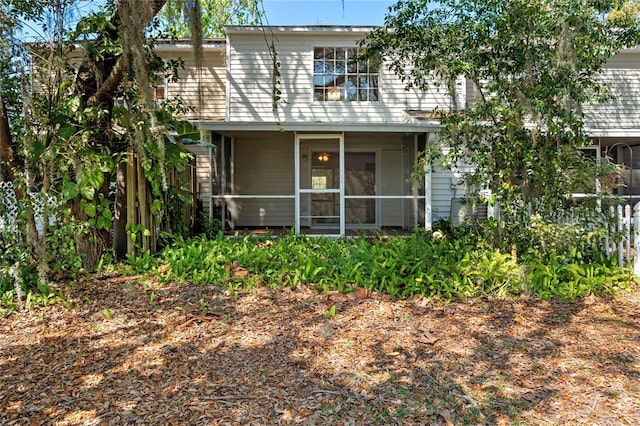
133 351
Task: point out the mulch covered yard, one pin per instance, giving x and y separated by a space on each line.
132 350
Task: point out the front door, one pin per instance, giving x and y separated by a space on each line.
359 184
325 179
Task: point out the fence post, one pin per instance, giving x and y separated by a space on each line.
620 229
627 231
636 240
610 231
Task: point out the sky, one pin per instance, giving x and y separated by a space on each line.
280 12
326 12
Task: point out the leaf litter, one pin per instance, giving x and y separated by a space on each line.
203 356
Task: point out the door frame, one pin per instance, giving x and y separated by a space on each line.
341 183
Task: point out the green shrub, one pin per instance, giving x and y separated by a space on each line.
458 266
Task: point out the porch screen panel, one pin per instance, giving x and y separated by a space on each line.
628 156
360 179
320 184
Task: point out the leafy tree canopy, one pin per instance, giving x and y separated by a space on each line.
69 115
533 65
215 14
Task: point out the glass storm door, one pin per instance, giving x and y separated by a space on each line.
325 178
320 203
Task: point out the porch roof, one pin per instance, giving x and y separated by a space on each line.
421 127
613 133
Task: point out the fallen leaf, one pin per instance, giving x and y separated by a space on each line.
446 415
426 338
164 268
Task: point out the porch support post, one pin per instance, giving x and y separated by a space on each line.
296 167
636 240
342 201
414 184
210 195
427 190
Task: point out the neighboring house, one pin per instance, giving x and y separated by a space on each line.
334 151
615 125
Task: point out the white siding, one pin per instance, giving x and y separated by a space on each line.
622 75
251 84
210 81
446 186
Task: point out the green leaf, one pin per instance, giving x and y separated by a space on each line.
156 206
67 131
89 209
89 180
87 192
103 223
70 191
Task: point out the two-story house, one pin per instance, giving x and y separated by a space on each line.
333 151
615 125
305 136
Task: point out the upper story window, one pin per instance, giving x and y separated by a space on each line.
159 86
339 76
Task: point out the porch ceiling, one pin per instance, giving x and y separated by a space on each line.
323 127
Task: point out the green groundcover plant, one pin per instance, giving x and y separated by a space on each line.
550 261
448 264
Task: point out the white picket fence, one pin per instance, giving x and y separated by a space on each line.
627 228
622 241
622 226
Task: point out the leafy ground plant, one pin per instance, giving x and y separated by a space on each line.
401 267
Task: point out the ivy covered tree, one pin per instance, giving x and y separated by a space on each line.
532 66
63 136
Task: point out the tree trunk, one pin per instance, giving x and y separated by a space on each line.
7 150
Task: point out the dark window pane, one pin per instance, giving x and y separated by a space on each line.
352 88
329 53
